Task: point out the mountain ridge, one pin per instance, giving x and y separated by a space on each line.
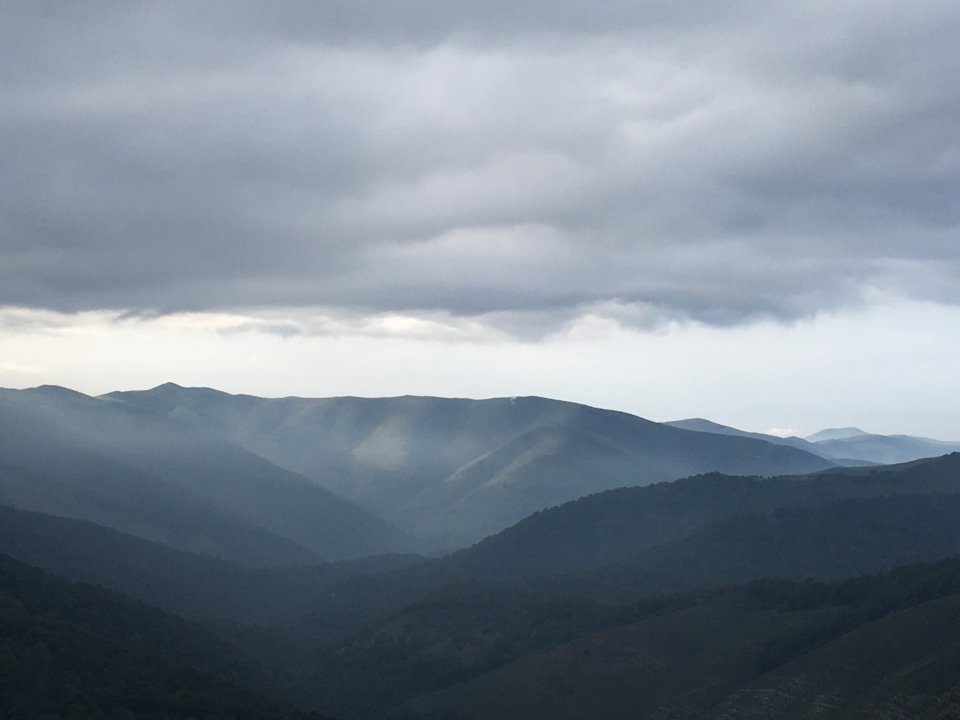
844 446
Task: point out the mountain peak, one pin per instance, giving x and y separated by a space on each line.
698 424
835 434
58 391
172 388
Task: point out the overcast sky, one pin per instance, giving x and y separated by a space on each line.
740 210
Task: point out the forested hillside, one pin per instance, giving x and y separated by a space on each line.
78 652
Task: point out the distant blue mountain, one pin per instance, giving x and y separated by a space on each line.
835 434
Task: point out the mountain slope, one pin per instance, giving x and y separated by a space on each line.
613 526
881 647
456 470
69 454
840 540
589 452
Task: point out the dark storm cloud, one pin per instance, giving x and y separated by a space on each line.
721 161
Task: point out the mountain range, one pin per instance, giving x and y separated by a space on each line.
845 446
181 553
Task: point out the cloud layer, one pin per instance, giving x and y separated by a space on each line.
520 162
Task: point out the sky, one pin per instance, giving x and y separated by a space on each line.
745 211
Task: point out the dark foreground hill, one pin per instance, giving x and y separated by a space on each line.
881 647
844 539
77 652
68 454
454 470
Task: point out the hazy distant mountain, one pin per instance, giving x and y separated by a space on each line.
844 446
884 449
68 454
457 470
702 425
834 434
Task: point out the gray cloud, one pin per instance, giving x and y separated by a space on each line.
721 161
